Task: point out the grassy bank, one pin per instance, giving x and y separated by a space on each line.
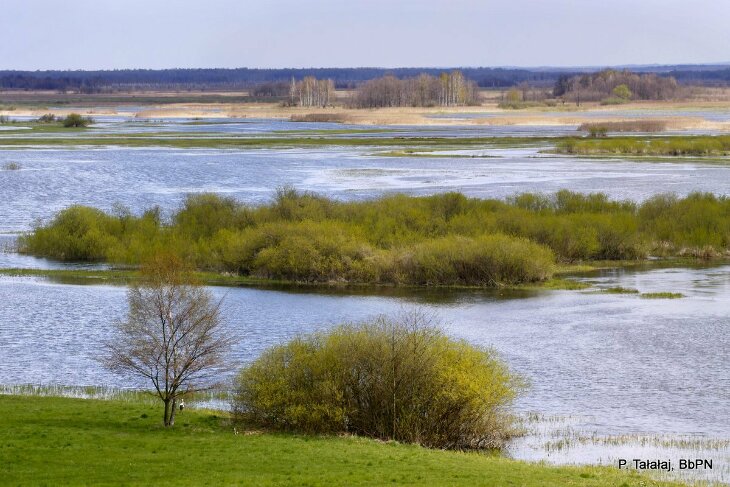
443 240
687 146
177 140
59 441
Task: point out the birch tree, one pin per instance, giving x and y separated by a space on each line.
172 337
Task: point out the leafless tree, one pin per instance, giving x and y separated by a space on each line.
172 336
449 89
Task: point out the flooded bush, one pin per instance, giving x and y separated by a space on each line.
11 166
74 120
446 239
396 378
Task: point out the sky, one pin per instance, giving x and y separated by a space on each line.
117 34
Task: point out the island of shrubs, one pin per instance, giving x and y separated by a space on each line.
447 239
393 379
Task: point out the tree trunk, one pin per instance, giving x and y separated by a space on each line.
166 417
172 412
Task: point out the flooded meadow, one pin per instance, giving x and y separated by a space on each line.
612 375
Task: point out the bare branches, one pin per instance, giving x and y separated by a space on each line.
173 335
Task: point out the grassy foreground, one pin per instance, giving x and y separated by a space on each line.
61 441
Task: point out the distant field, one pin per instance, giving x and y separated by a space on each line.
59 441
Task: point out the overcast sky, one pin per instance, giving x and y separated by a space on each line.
107 34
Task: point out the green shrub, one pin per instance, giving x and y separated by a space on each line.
447 239
489 260
76 233
74 120
394 379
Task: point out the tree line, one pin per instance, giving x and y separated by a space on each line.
621 84
448 89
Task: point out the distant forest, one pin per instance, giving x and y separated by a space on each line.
244 78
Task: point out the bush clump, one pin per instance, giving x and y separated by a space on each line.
446 239
74 120
46 118
397 379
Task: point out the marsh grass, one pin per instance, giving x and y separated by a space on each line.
617 290
699 146
662 295
320 117
625 126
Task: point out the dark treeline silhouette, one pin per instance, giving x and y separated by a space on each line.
201 79
272 79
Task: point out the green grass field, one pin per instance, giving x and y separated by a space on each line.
60 441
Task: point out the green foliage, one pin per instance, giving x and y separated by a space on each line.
665 146
74 120
398 379
62 441
662 295
622 91
447 239
613 100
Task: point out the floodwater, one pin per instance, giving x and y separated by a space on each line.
52 179
612 376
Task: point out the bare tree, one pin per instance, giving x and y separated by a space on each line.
172 336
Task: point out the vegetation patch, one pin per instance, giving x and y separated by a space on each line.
624 126
700 146
662 295
320 117
392 379
11 166
74 120
446 239
618 290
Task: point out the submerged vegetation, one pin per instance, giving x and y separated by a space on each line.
11 166
446 239
662 295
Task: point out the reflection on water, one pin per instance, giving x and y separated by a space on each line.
611 375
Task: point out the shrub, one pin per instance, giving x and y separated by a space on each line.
393 378
447 239
489 260
47 118
76 233
74 120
